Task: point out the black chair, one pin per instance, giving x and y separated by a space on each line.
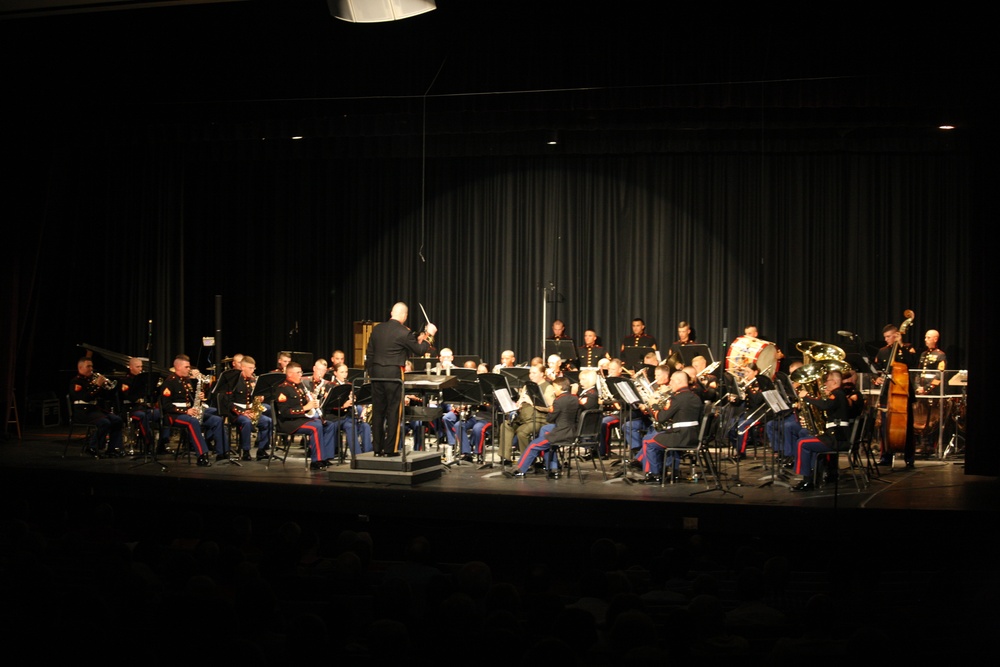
586 444
89 431
854 464
697 449
282 442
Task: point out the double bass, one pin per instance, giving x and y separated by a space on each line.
894 399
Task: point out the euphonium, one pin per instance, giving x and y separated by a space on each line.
810 417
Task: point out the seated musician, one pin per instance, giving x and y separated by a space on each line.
524 424
184 408
612 410
709 383
348 417
751 398
836 435
785 432
134 392
85 391
294 406
675 424
507 360
560 428
244 409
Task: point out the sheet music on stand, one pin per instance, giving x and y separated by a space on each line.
775 401
624 390
506 403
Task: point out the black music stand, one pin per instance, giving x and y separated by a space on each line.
516 376
267 386
778 408
564 347
689 352
624 391
461 359
634 356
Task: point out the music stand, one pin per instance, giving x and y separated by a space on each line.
689 352
266 385
634 356
460 360
148 392
362 396
503 403
516 376
564 347
624 391
778 407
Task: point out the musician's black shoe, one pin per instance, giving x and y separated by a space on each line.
909 464
245 455
203 461
830 479
391 454
263 455
804 485
116 453
554 474
318 465
652 479
92 451
506 462
885 462
517 474
467 457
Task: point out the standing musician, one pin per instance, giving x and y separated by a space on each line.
907 355
347 417
836 436
84 391
675 424
750 395
390 343
932 358
528 419
559 331
183 407
685 336
590 353
751 331
561 427
243 411
639 337
283 359
294 405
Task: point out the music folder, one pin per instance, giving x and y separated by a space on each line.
775 401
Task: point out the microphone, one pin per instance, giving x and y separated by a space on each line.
847 334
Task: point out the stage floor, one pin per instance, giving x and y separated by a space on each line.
935 494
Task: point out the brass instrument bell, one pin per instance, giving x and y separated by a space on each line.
804 346
826 352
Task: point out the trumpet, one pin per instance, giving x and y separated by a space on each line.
108 382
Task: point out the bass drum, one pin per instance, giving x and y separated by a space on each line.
747 349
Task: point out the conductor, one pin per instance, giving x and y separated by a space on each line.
389 345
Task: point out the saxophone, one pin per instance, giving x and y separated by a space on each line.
199 409
256 407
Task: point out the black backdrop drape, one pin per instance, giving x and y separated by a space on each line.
800 240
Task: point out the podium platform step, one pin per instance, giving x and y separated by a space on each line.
417 468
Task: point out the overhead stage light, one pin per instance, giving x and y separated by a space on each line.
377 11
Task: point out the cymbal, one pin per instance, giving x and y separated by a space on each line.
226 360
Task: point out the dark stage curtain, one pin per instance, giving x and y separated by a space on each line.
802 236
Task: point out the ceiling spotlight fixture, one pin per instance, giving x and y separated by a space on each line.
946 127
552 138
378 11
